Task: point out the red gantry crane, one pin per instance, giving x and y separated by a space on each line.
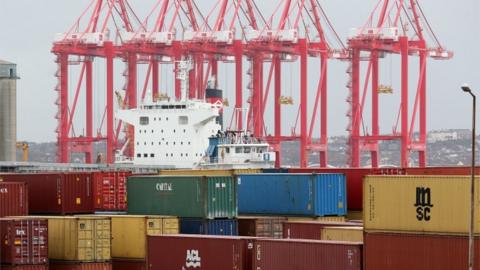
394 27
80 46
299 36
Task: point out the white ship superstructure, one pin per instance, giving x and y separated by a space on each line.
170 133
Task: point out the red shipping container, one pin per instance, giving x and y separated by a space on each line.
13 199
290 254
310 229
126 264
167 252
417 252
25 267
56 193
24 241
110 190
354 178
65 265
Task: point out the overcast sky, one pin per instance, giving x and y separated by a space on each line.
28 27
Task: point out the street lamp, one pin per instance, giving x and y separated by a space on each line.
467 89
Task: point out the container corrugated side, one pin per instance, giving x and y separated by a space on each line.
196 172
13 199
61 265
57 193
417 251
23 241
271 227
25 267
306 254
310 229
349 234
129 264
129 233
292 194
198 252
184 196
319 219
81 238
209 226
354 177
419 203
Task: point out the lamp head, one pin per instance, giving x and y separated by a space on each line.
466 88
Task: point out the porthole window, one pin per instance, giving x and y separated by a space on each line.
139 155
145 155
152 155
171 155
181 155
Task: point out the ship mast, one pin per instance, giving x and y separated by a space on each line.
183 70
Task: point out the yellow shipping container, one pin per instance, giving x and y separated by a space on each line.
246 171
130 233
439 204
85 239
320 219
349 234
196 172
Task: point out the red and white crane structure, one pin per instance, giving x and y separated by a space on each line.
394 27
293 40
80 46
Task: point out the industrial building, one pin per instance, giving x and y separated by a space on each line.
8 110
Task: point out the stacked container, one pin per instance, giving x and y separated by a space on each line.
313 230
129 238
110 191
24 243
79 243
418 222
13 199
271 227
205 204
56 193
308 195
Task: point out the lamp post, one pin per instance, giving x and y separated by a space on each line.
467 89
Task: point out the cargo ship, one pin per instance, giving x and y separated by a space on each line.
187 134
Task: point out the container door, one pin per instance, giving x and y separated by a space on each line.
18 240
102 239
154 226
263 227
330 195
105 191
86 236
121 190
39 241
221 199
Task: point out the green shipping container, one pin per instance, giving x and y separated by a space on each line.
183 196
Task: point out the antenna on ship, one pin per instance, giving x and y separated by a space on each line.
184 68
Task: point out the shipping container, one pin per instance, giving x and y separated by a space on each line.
354 178
23 241
355 215
209 226
292 194
62 265
25 267
129 264
13 199
183 196
417 252
310 229
129 233
319 219
349 234
56 193
291 254
79 238
438 204
271 227
199 252
196 172
110 190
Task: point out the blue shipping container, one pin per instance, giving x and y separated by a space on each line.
209 226
292 194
